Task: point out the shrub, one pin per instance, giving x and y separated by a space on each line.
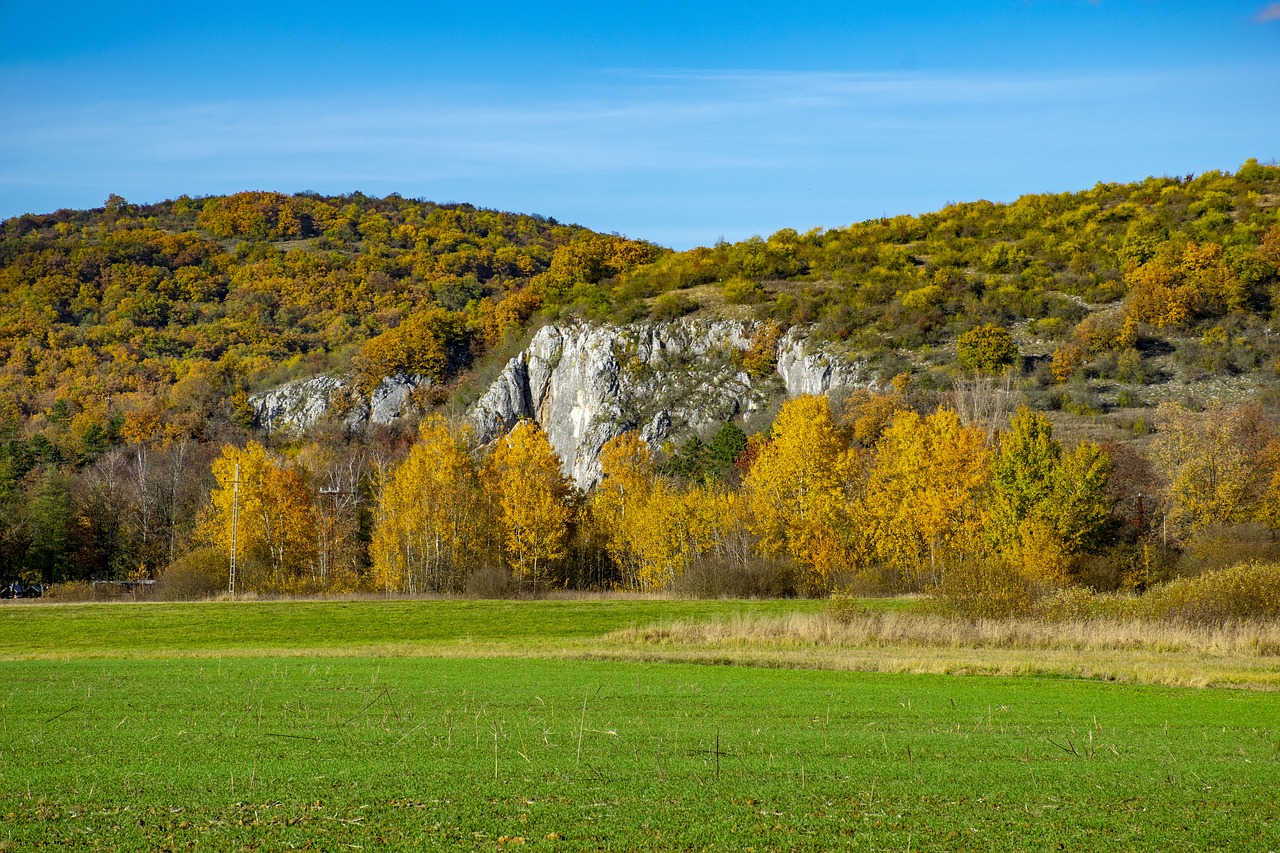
202 573
984 589
69 591
845 606
1246 591
755 578
1221 546
743 291
492 582
671 305
1070 604
988 348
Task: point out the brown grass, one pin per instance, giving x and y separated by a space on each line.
1239 654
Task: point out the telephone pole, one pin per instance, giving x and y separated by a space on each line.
235 525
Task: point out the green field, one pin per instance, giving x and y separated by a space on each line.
348 725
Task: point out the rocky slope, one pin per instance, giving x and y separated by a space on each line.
584 384
296 407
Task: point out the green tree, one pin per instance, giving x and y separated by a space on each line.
1047 506
48 514
989 349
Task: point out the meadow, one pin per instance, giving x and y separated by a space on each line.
608 725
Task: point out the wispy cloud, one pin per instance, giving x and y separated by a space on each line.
629 149
1269 12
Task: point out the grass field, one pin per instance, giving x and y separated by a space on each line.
486 725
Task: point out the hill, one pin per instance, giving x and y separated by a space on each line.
134 336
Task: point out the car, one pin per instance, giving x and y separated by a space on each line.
18 589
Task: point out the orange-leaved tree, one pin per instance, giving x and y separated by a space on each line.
266 507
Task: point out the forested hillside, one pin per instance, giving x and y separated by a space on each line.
132 336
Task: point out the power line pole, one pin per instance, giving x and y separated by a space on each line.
235 524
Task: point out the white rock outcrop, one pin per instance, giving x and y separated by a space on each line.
809 369
296 407
584 384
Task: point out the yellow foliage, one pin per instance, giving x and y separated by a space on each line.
1176 285
1067 359
530 494
921 509
867 413
1040 554
622 497
429 530
795 491
761 357
267 509
1215 463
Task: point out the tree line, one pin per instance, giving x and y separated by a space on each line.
868 493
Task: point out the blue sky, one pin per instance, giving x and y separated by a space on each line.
676 122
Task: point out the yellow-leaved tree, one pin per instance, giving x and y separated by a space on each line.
428 534
1215 464
796 491
921 510
621 498
530 500
266 508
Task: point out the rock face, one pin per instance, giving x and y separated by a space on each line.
296 407
806 369
585 384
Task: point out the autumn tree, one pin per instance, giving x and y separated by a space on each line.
1214 463
629 478
530 497
428 534
1181 283
265 508
795 491
429 343
922 509
1047 506
761 356
867 414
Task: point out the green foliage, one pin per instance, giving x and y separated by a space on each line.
695 460
989 349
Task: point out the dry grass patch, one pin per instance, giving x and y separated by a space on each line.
1242 653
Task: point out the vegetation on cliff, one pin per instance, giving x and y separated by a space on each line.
134 334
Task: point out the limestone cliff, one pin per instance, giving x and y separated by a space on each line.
296 407
584 384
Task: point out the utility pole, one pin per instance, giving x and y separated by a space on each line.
235 524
